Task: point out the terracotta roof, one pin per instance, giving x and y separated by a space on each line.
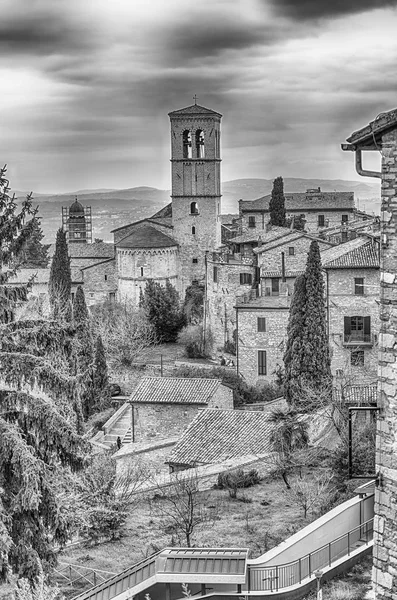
146 237
303 201
175 390
96 250
357 394
384 121
194 109
216 435
165 212
252 235
359 253
25 275
287 239
287 273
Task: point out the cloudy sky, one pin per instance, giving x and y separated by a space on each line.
87 85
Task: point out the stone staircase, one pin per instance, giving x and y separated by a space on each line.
119 425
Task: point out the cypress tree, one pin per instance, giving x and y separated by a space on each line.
101 375
84 351
317 361
59 287
294 353
277 203
37 422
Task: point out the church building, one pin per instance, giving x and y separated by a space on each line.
172 244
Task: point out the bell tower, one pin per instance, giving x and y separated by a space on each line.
196 187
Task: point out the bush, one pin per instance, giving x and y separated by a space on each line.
233 480
192 338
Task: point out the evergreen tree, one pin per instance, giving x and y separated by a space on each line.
35 254
163 310
316 362
60 283
293 357
37 422
277 203
101 375
84 351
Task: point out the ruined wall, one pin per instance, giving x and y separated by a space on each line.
385 526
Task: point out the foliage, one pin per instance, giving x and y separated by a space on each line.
35 254
59 286
242 392
162 308
181 507
310 494
125 331
363 456
39 400
39 589
288 437
307 357
101 375
193 306
233 480
298 222
84 351
191 337
277 203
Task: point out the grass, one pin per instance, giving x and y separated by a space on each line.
354 585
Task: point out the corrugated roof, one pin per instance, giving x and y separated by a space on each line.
175 390
358 253
216 435
194 109
301 201
146 237
206 561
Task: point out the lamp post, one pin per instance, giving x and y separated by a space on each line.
318 575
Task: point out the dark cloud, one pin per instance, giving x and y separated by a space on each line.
305 10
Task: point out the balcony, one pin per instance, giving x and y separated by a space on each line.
358 338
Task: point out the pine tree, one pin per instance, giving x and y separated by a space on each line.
84 350
163 310
294 353
37 421
60 283
277 203
317 362
35 254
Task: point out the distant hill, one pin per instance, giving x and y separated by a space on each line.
114 208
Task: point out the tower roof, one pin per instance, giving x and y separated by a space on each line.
76 208
195 110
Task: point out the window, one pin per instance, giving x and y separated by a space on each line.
245 279
251 222
359 286
275 286
321 220
357 358
291 251
200 143
261 324
187 144
357 329
141 271
195 261
194 208
345 218
261 362
106 277
344 237
215 274
193 230
112 296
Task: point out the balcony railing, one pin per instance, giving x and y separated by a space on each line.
358 338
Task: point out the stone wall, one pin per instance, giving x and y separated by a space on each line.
332 218
342 302
385 534
250 341
270 260
100 282
222 399
162 420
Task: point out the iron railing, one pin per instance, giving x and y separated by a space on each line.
278 577
357 338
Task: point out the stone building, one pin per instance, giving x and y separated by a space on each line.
318 209
173 243
381 136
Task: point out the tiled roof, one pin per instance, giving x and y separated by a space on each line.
357 394
252 235
384 121
302 201
165 212
195 109
96 250
358 253
287 239
24 275
216 435
279 273
175 390
146 237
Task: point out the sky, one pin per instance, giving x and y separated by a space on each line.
87 86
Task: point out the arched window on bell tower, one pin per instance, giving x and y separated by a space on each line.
187 144
199 143
194 208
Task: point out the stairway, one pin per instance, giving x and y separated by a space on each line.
120 428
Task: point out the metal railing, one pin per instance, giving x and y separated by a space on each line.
278 577
358 339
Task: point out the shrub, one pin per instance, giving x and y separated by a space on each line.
232 480
191 337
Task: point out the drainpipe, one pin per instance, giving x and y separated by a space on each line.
359 164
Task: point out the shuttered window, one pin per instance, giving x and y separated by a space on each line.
261 362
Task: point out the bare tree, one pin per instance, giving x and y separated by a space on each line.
181 508
310 494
